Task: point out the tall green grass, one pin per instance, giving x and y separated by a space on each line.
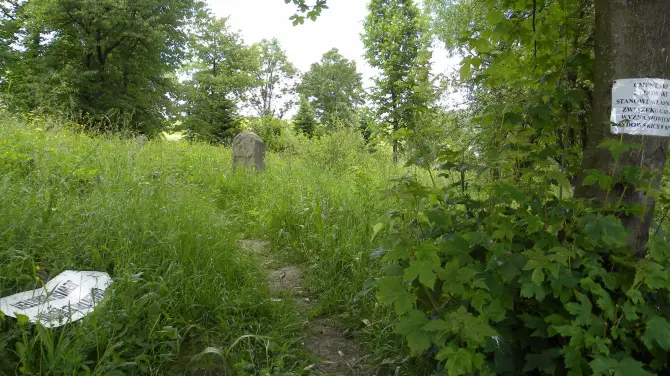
148 216
163 219
317 203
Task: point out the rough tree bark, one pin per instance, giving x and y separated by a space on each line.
632 41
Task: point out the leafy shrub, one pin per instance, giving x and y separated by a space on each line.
337 150
508 278
278 134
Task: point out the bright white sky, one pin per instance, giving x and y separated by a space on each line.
338 27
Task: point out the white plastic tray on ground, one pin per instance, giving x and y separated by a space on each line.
68 297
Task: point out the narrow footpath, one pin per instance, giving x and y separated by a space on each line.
333 353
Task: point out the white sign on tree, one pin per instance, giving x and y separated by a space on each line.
641 106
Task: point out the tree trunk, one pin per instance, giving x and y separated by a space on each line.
632 41
395 142
395 121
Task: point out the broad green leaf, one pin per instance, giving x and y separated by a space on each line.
509 270
560 179
659 249
460 361
375 230
411 326
538 276
495 311
480 45
22 319
609 229
613 231
635 296
402 133
631 367
617 147
437 325
530 289
424 270
425 267
479 298
605 303
630 311
573 357
582 309
536 323
421 216
544 361
465 71
657 332
494 16
392 291
625 367
602 366
393 270
534 223
605 181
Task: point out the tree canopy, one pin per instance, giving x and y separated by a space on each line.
397 44
106 63
221 70
334 88
274 93
526 231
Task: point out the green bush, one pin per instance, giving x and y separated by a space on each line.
278 134
512 277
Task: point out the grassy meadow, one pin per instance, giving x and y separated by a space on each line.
164 220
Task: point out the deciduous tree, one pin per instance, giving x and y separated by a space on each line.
334 88
304 121
396 42
273 95
103 62
632 41
221 70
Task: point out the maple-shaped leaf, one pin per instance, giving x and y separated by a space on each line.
392 291
411 326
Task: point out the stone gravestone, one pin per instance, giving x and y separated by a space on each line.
142 139
249 151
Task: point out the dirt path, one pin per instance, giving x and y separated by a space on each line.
334 354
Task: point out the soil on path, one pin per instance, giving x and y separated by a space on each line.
334 353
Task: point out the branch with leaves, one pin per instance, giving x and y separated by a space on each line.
303 10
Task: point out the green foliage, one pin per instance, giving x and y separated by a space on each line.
221 71
274 89
309 11
334 88
304 120
366 122
512 275
102 63
396 42
526 64
151 217
314 203
278 134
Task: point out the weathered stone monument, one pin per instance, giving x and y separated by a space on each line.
249 151
142 139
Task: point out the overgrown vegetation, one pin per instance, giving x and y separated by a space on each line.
164 219
517 235
504 277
